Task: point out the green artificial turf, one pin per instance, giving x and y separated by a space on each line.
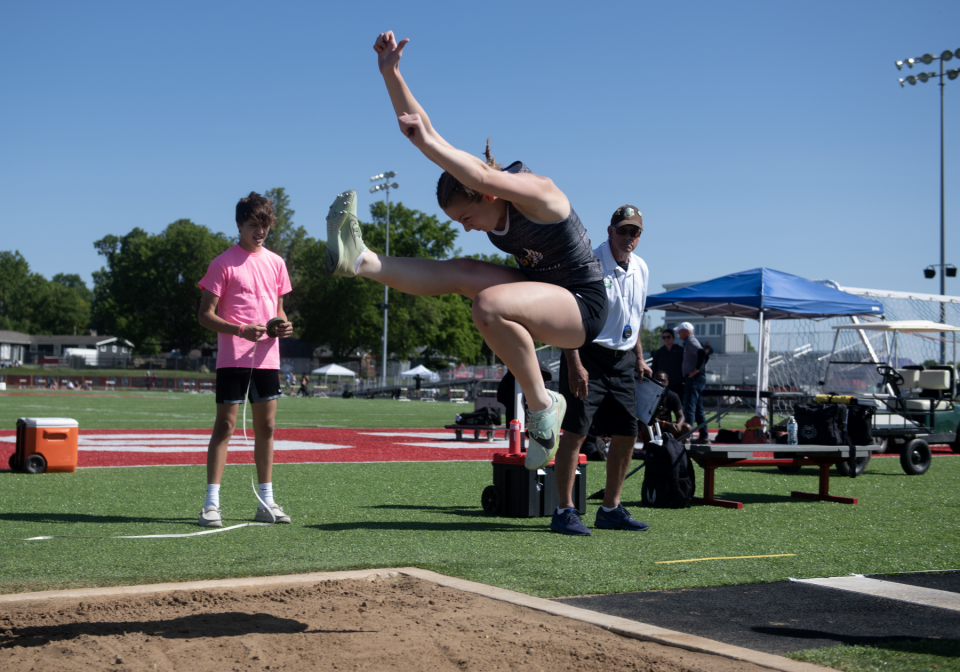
893 656
177 410
349 516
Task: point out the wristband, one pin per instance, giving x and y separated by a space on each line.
241 331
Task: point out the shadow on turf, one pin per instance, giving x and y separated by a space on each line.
949 647
230 624
86 518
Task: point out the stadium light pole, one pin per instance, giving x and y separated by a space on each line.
386 186
924 77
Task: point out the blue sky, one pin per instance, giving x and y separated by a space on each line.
748 133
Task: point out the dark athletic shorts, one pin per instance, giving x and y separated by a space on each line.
592 299
611 393
232 384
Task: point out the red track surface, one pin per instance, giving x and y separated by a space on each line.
151 447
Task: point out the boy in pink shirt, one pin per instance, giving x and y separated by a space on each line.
242 291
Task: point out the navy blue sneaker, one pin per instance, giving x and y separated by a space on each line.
568 522
618 519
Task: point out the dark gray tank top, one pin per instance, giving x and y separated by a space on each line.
559 253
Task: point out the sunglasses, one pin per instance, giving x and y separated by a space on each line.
629 231
667 338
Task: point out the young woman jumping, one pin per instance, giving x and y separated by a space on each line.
557 295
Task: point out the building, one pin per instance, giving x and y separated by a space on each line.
725 334
13 347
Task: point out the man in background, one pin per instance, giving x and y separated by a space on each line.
694 378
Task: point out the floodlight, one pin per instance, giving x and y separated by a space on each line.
394 186
953 74
951 271
390 174
923 77
901 82
911 80
946 56
929 272
899 65
927 58
957 53
376 177
910 62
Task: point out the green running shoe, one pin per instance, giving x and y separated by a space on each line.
544 432
344 240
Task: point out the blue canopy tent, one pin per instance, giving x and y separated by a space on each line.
764 294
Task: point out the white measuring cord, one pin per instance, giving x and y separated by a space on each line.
253 483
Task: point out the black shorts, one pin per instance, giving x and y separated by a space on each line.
592 299
611 394
232 385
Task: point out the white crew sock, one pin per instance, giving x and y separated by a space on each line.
213 495
608 510
356 265
544 410
265 490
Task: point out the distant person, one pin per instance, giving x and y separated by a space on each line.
148 381
304 382
289 383
242 291
669 359
707 349
694 379
418 380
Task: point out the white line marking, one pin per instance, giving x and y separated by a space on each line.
927 597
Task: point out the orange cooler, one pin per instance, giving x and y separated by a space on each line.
46 445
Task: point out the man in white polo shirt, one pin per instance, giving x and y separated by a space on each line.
602 374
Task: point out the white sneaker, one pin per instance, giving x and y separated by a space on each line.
210 517
263 516
344 240
544 433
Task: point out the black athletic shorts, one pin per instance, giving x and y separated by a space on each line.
611 393
232 384
592 299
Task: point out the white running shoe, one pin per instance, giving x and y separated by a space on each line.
210 517
263 516
344 240
544 433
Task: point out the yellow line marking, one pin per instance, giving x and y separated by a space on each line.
735 557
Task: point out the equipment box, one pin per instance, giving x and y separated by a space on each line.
520 493
45 445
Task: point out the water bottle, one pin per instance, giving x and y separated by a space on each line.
792 431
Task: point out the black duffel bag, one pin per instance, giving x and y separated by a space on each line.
820 424
859 425
484 416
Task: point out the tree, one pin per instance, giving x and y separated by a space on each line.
34 305
284 236
148 291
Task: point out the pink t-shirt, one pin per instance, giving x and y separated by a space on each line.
249 286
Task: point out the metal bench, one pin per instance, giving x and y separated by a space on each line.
489 430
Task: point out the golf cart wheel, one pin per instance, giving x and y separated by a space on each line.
35 464
843 468
915 458
490 500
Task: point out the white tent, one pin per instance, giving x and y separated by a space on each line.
423 372
333 370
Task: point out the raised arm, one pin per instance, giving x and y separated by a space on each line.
537 197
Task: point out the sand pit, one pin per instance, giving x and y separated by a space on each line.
399 623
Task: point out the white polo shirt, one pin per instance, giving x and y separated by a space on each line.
626 299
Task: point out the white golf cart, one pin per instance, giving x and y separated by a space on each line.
915 405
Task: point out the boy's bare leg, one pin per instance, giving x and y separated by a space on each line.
264 416
217 450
